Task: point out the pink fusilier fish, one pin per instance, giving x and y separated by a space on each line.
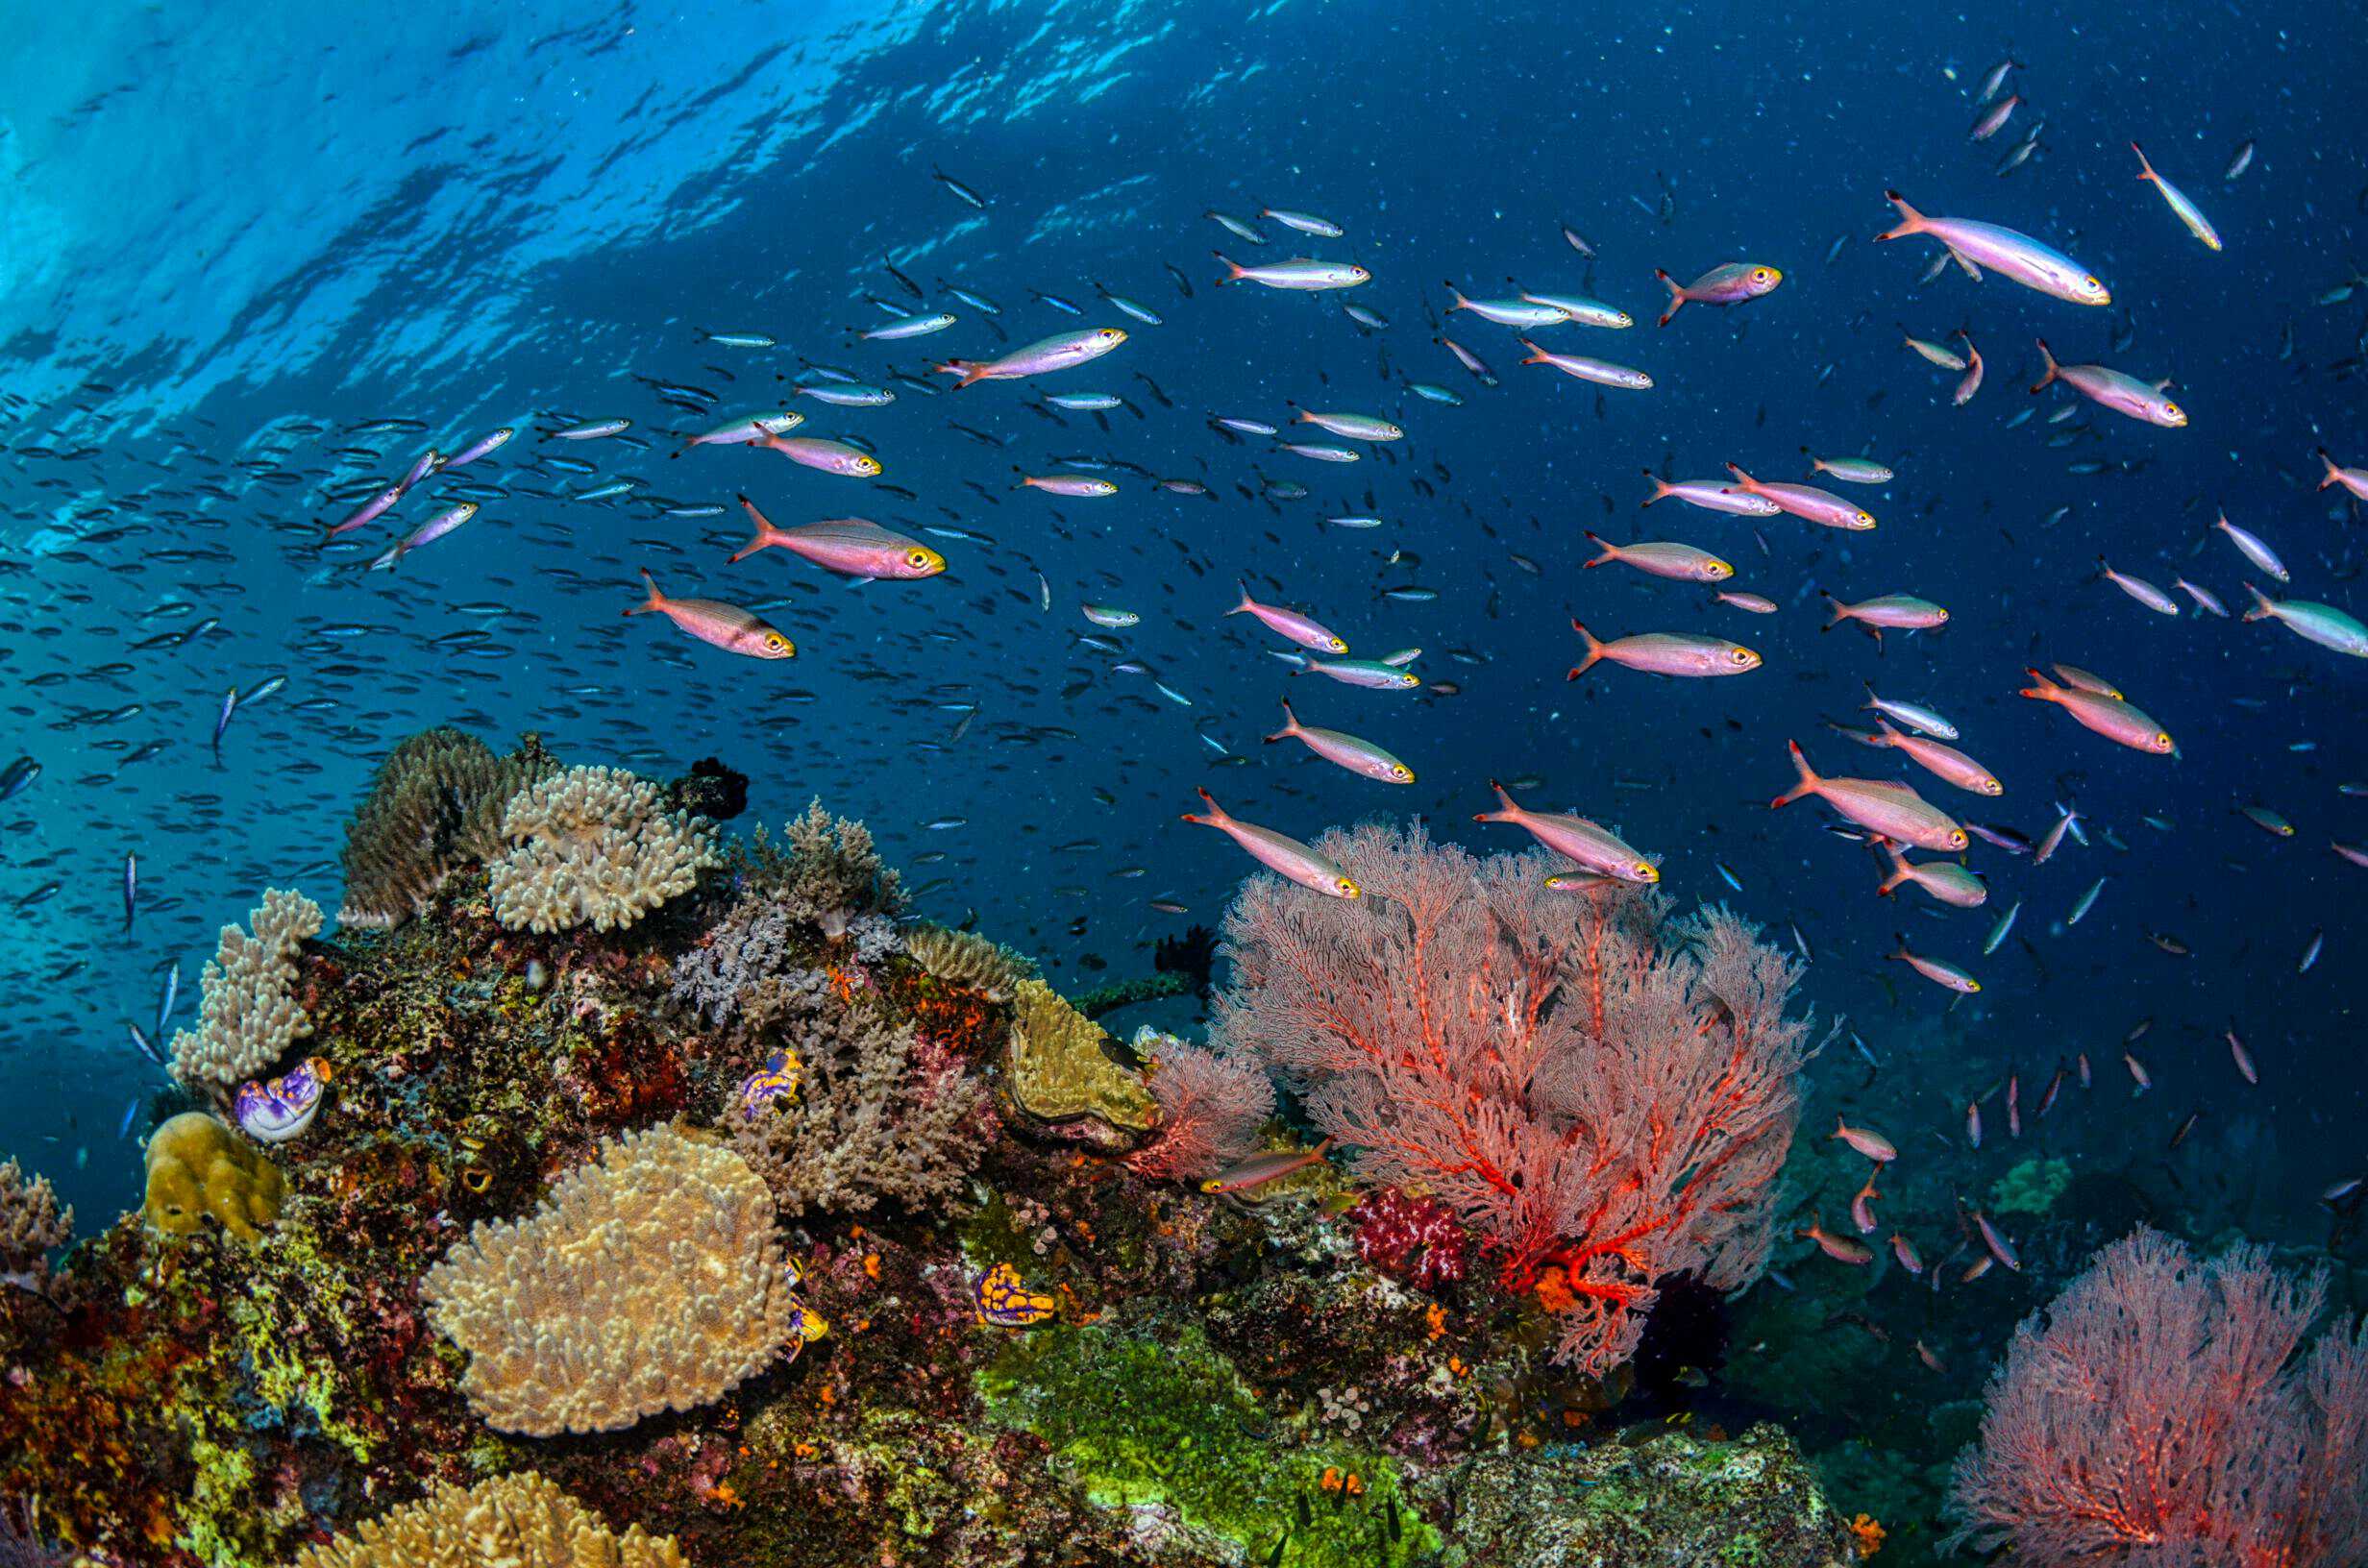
853 547
1999 1246
1905 1250
2139 589
1074 486
1862 1206
1895 612
2111 389
1601 372
1372 675
1972 382
1299 274
1756 604
1348 752
1973 1124
1712 496
1519 312
719 624
1060 352
1575 839
427 533
2186 211
1993 118
1278 852
2242 1057
1842 1249
2251 546
826 456
1866 1139
2320 624
1661 559
369 512
746 428
480 446
2352 479
1299 628
1938 970
1944 879
2111 716
1730 283
2004 250
1259 1169
1883 806
1666 653
1807 502
1946 762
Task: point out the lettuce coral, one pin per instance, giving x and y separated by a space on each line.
593 846
1057 1073
515 1521
248 1019
648 1280
435 804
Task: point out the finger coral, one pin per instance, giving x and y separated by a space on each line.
966 959
593 846
881 1117
1602 1093
31 1225
516 1521
2162 1410
648 1280
198 1166
248 1019
435 804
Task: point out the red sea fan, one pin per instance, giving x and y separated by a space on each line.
1595 1087
1210 1110
2150 1415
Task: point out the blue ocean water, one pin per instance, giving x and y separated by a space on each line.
240 243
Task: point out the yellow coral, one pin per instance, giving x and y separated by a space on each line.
196 1167
517 1521
650 1278
1057 1071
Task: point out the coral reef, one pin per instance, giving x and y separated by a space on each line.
969 959
31 1225
593 846
249 1016
2031 1187
2161 1410
199 1169
592 1185
1211 1107
649 1280
517 1521
435 804
1058 1073
1603 1093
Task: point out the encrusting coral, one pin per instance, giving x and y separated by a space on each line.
1057 1073
31 1226
435 804
199 1165
593 846
514 1521
249 1018
650 1278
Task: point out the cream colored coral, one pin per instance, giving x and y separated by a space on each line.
248 1019
648 1280
31 1223
965 958
594 845
517 1521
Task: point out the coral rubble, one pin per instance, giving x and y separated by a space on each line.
543 1278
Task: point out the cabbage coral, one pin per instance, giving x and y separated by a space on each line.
648 1280
248 1019
593 846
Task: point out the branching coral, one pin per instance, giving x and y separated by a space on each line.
1597 1091
516 1521
882 1117
435 804
31 1226
830 874
966 959
248 1019
648 1280
594 845
1211 1107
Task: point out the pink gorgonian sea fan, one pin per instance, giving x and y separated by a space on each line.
2161 1413
1598 1089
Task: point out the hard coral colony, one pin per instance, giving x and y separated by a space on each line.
647 1201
